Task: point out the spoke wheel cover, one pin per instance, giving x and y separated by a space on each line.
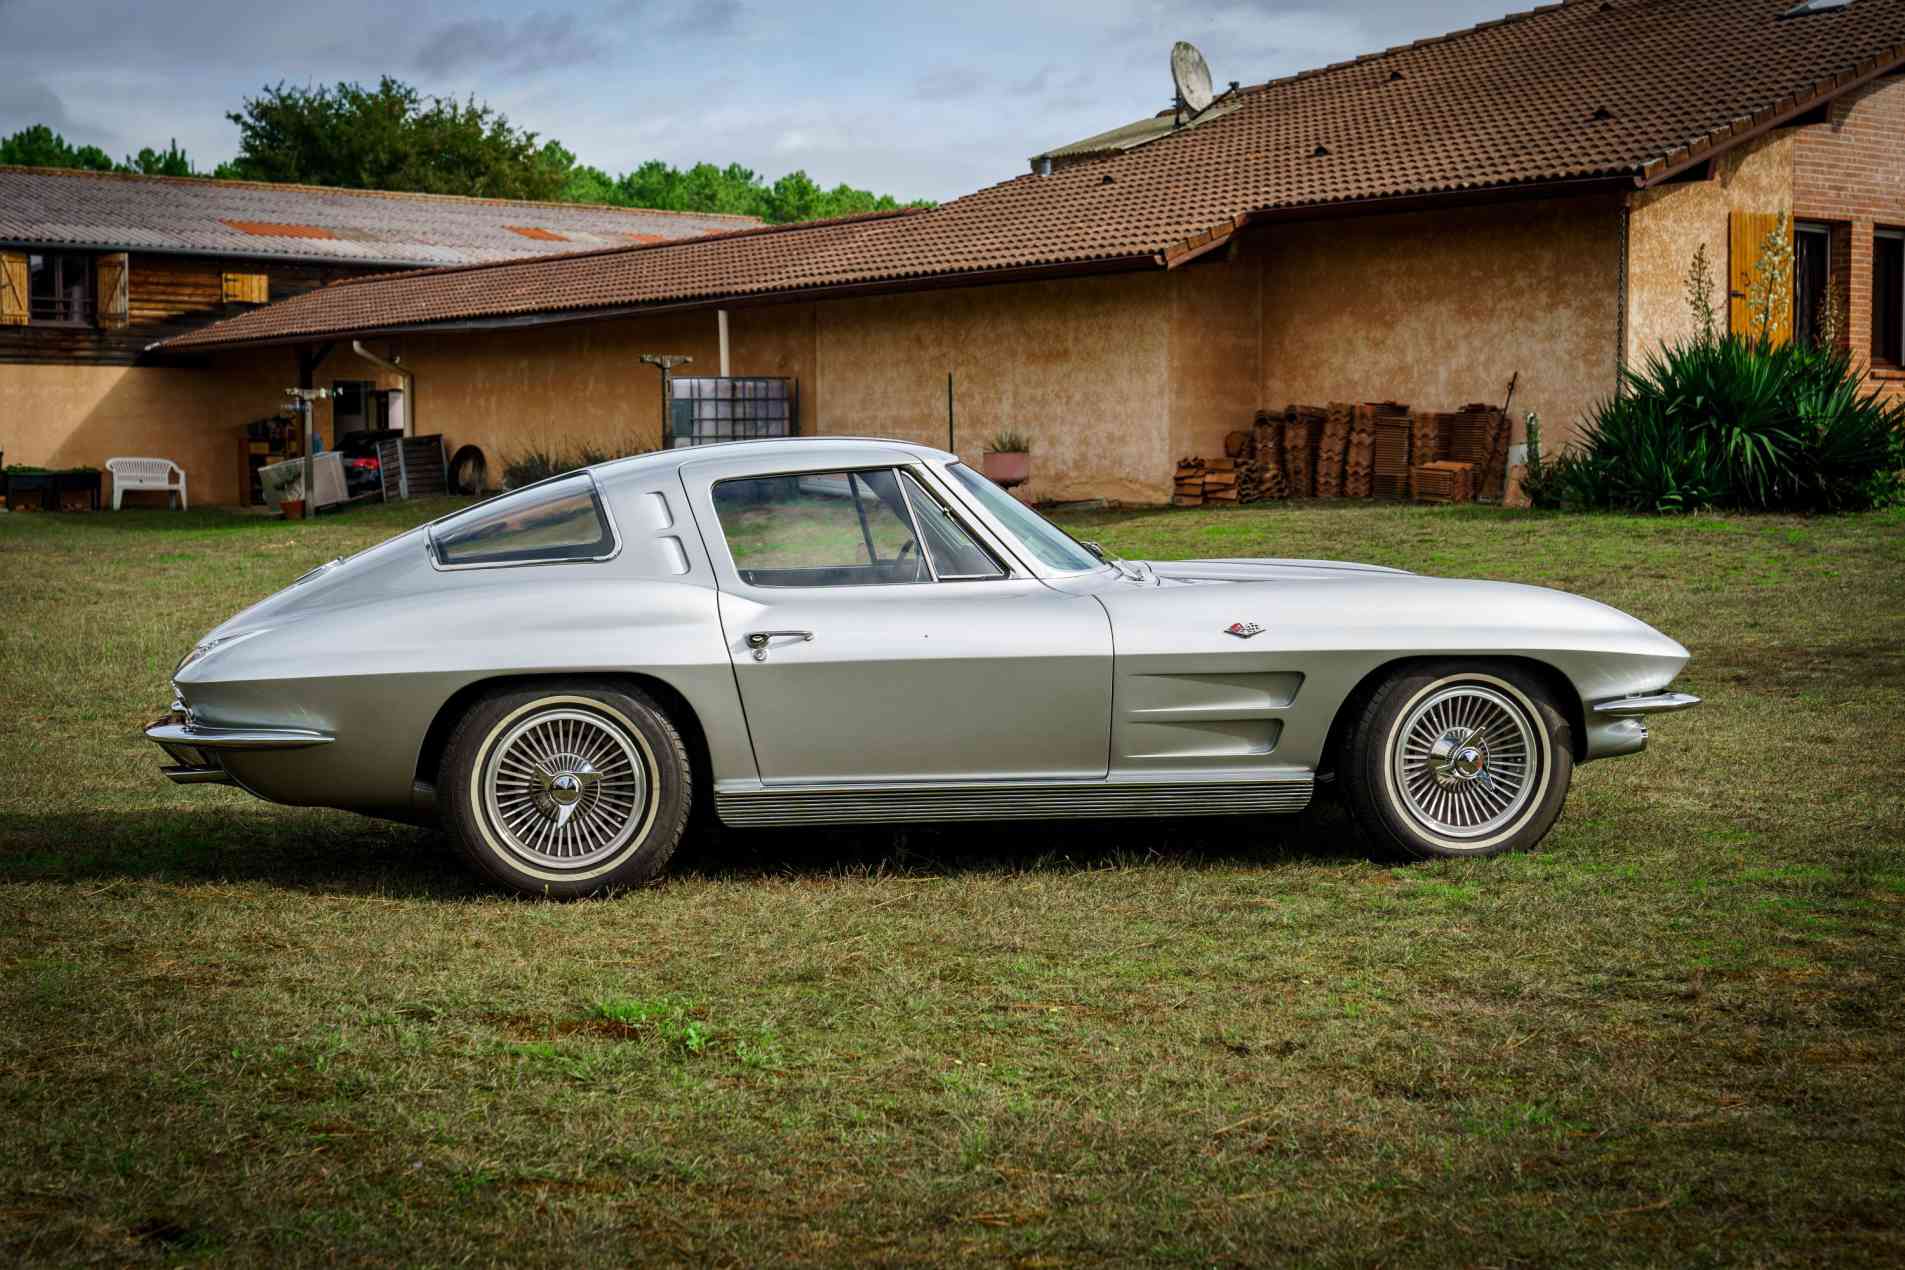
1465 761
566 787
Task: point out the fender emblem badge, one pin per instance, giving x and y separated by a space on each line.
1243 630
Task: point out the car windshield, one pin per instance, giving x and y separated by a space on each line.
1050 544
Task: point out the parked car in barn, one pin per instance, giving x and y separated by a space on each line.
831 630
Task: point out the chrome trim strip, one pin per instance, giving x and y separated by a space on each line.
208 738
1049 800
1654 703
197 775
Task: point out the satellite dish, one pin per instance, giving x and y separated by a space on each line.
1191 73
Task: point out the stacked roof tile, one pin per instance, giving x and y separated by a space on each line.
43 207
1611 90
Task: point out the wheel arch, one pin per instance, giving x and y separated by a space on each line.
1551 677
673 703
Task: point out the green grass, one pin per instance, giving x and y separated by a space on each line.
1674 1034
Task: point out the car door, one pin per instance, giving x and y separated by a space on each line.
867 648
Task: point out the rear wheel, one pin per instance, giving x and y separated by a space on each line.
1456 759
567 789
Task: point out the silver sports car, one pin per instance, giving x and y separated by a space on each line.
833 630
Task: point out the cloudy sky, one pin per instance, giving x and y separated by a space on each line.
914 99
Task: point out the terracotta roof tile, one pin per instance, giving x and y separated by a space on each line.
1613 89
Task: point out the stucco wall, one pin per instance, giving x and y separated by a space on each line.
1079 365
1438 309
1216 378
71 416
1668 224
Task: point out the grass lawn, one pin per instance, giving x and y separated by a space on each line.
1674 1034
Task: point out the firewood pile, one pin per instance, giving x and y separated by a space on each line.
1372 449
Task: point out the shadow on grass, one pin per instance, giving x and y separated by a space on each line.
338 854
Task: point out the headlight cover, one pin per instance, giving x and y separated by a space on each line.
205 649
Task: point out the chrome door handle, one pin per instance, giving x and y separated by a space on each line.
758 640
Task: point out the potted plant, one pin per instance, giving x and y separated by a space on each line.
285 489
1008 459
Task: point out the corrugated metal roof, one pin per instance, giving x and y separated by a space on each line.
115 211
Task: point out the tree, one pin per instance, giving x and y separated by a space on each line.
391 138
170 161
38 146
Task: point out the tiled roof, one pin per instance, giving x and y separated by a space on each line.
116 211
1617 90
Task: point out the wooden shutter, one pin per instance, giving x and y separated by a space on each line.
13 306
247 288
1746 237
110 275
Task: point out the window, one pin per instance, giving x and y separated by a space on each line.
60 288
1888 297
1046 541
820 529
1812 255
953 553
556 520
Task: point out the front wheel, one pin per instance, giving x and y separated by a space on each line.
567 789
1454 759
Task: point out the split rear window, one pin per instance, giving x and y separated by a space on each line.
556 520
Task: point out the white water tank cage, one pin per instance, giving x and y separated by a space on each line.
708 408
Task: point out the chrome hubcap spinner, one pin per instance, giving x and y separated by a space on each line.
566 787
1464 761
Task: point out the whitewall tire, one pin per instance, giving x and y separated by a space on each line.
1452 759
566 789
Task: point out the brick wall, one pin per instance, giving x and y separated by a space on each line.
1850 173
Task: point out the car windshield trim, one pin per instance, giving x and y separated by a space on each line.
1037 539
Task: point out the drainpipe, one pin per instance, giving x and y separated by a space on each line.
721 320
409 384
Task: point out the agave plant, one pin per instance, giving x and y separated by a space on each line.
1735 422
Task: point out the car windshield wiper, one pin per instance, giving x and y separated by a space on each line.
1136 573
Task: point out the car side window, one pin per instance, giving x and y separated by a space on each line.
820 529
553 521
956 556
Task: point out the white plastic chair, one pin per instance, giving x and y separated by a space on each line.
138 474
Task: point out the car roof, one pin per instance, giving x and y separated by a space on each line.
853 450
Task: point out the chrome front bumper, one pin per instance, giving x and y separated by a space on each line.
1614 726
194 747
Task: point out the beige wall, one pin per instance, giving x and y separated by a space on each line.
1079 365
1669 223
1217 317
71 416
1439 309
